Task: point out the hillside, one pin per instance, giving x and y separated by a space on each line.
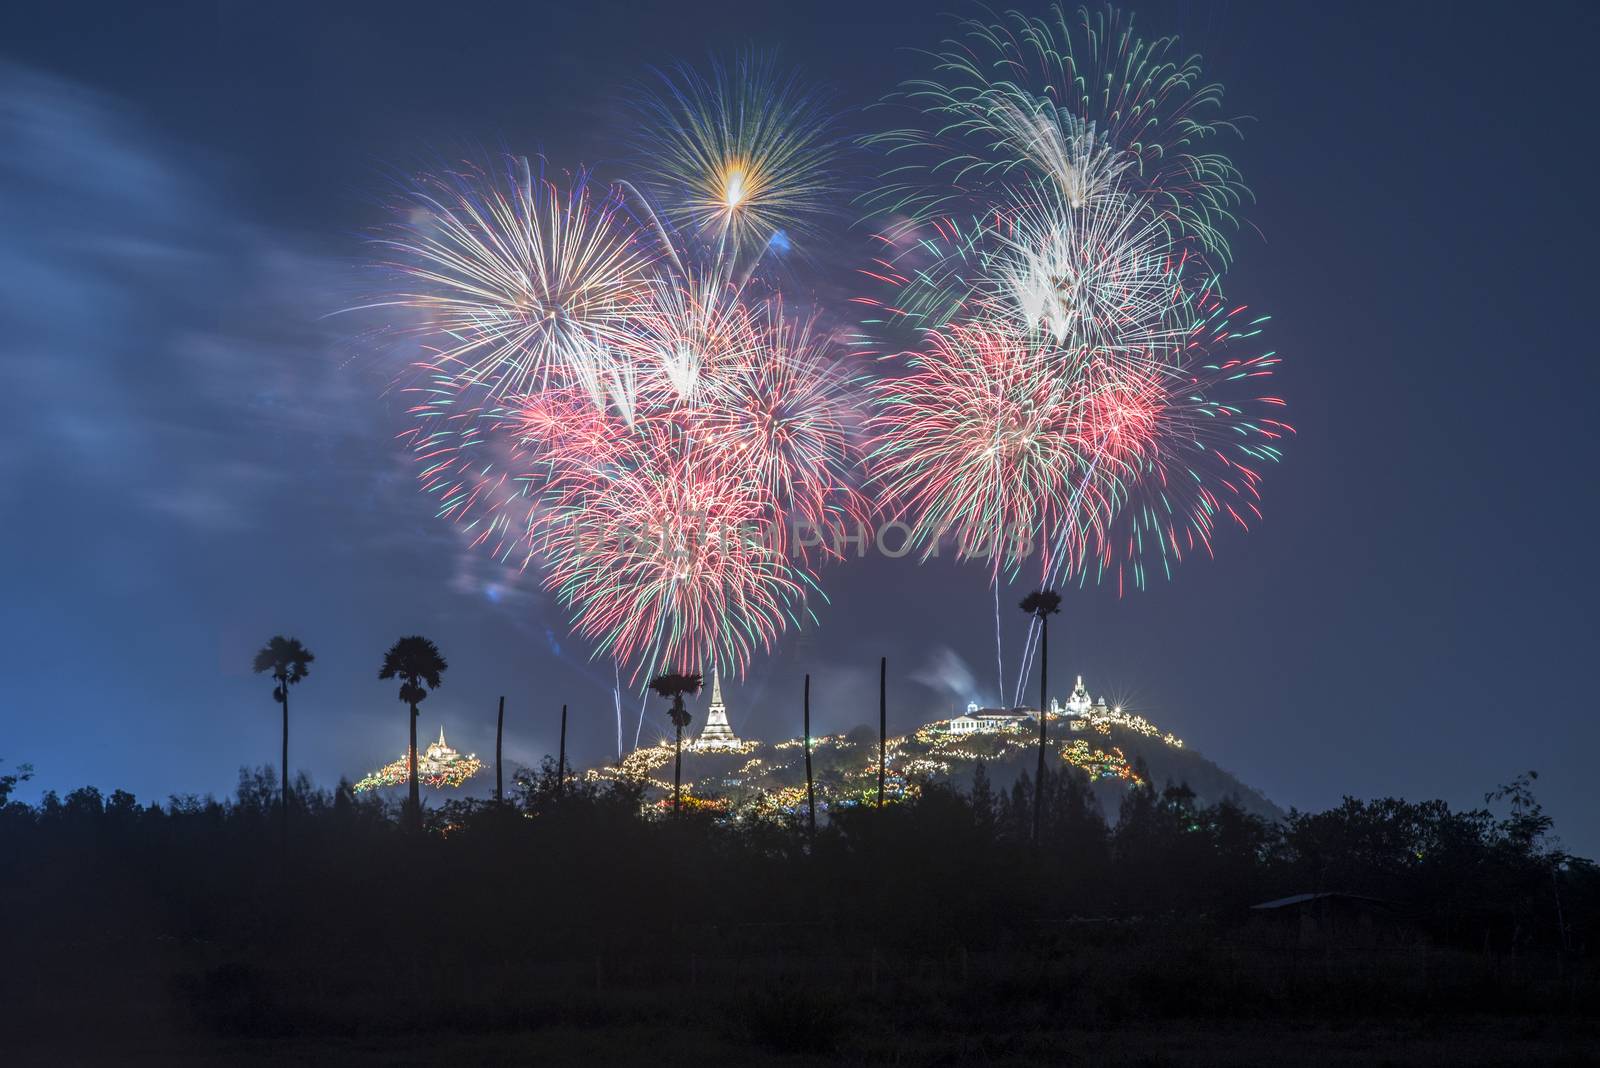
759 778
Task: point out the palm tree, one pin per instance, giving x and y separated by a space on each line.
1041 604
289 662
417 663
674 686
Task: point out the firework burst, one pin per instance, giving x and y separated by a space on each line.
689 336
786 420
671 540
1183 447
660 485
1083 102
977 443
613 394
519 283
738 157
1102 276
667 561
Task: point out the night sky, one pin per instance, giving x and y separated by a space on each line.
199 455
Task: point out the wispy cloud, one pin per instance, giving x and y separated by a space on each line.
169 355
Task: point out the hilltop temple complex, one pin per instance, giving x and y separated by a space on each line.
1082 713
438 766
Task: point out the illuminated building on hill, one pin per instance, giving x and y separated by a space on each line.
988 720
717 733
1082 713
438 767
1078 703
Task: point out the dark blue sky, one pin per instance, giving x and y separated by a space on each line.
198 458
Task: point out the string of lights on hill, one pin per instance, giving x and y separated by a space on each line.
753 779
438 768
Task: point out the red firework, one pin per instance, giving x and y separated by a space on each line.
980 443
668 560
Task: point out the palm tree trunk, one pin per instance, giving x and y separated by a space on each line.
883 721
811 797
499 732
1044 685
283 684
416 796
677 766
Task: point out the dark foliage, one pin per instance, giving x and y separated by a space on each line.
1041 604
417 663
286 658
576 908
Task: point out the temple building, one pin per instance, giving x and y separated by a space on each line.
717 733
1079 708
988 720
437 759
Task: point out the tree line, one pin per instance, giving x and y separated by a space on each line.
941 856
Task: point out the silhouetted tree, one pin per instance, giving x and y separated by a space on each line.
673 686
9 782
1041 604
1011 812
289 662
982 799
417 662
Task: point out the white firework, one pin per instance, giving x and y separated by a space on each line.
1102 276
688 334
1068 151
521 285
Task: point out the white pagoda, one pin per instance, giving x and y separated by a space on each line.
438 758
1078 703
717 734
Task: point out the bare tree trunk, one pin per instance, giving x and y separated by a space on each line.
811 797
883 721
283 689
561 758
499 733
1044 685
416 795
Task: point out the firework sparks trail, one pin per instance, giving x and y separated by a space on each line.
616 697
1031 640
999 657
